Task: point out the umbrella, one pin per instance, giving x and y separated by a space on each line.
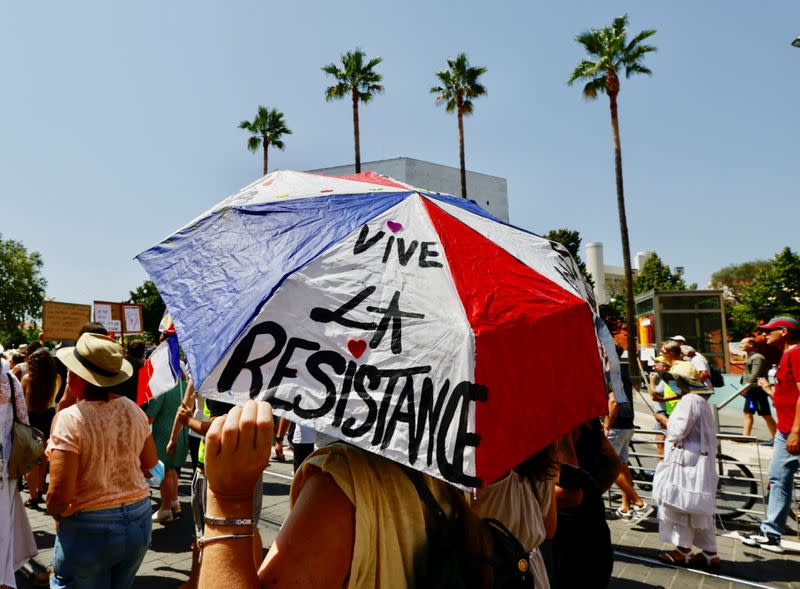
409 323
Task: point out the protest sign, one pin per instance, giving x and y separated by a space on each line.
63 321
119 317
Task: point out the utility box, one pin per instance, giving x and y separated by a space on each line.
697 315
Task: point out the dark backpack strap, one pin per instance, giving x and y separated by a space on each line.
425 494
13 394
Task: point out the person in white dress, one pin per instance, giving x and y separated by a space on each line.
17 544
691 427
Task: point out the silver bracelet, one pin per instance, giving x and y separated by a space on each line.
240 521
202 542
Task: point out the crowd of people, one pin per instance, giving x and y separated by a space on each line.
358 519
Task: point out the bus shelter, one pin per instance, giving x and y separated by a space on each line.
697 315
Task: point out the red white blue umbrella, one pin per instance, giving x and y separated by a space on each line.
407 322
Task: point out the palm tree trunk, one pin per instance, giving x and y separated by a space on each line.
461 150
633 354
266 157
356 134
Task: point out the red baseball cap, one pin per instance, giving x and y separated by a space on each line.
780 323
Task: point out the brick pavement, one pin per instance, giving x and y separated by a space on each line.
167 563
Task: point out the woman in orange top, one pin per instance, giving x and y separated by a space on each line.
98 451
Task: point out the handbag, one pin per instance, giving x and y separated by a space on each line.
27 443
686 481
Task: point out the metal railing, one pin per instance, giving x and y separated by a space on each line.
741 480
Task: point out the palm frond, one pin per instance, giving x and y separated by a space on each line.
646 34
637 69
253 143
338 91
612 52
460 82
585 69
591 41
594 87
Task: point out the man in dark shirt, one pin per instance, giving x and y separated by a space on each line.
756 399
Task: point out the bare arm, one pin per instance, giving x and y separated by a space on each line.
63 481
148 457
793 441
613 410
188 402
320 533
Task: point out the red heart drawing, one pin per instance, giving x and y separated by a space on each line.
357 347
394 226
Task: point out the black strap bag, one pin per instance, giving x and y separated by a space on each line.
448 560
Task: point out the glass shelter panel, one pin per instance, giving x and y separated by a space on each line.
688 302
703 331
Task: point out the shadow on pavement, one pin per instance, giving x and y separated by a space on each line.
154 582
272 489
630 584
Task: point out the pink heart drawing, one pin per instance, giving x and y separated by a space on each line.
394 226
357 347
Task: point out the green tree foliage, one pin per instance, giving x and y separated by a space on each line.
610 52
458 85
23 288
358 79
775 290
571 240
732 279
656 275
266 130
153 307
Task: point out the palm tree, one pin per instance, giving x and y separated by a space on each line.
266 130
611 52
459 85
360 81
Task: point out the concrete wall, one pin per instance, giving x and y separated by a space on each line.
490 192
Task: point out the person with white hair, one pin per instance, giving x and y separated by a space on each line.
700 363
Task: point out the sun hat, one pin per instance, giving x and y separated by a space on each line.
97 359
781 322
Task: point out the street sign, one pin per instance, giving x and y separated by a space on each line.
63 321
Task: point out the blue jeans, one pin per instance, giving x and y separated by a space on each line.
102 549
781 473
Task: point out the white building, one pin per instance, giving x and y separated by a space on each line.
609 279
490 192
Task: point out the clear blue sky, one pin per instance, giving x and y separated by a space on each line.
119 122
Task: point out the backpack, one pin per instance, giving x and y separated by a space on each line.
715 374
448 561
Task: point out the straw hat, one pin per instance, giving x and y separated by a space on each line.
97 359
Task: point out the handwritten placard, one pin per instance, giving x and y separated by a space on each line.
103 314
133 318
63 321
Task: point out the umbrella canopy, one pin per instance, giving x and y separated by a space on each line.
409 323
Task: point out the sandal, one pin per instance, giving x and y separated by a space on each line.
702 560
675 557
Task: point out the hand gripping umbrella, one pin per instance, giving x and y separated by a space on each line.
409 323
